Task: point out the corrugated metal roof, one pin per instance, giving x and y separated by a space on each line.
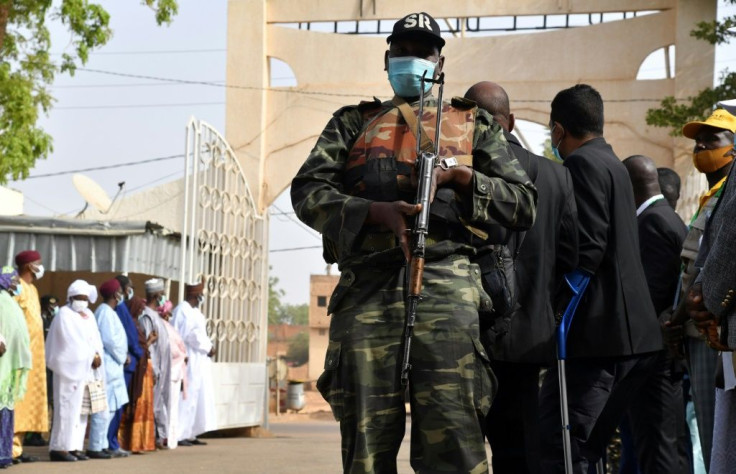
96 246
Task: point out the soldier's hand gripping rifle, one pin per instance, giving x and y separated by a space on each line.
425 165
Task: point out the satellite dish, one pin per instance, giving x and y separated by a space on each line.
92 193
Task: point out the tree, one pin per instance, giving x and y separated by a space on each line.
673 114
274 300
547 150
298 351
295 314
284 313
27 70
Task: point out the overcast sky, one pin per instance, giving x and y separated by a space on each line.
104 119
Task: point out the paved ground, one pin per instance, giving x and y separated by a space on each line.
306 443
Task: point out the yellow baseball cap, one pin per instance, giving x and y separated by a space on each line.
718 119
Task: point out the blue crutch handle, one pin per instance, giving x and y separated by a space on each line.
578 281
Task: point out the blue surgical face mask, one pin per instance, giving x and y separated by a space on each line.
405 75
18 290
162 300
555 148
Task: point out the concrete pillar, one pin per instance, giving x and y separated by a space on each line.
245 112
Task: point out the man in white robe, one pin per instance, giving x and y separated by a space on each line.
197 410
73 352
115 345
177 373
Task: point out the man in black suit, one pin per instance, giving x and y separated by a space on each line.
614 338
656 415
670 183
546 252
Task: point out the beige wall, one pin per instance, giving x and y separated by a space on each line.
320 289
273 131
11 202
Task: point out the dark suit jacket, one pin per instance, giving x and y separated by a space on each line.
616 316
548 251
718 257
661 234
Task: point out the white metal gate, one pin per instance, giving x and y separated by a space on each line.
225 240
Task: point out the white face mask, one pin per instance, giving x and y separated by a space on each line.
130 294
200 301
79 305
38 272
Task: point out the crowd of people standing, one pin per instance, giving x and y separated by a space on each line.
589 236
136 370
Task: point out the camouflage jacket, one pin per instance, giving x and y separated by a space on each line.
502 192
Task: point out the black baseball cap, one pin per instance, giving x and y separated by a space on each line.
417 24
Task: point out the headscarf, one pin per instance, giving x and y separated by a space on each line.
6 276
136 307
81 287
165 308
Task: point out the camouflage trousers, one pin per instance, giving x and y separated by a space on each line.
451 384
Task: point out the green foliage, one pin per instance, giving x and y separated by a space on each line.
295 314
547 151
674 115
284 313
716 32
298 351
27 70
274 300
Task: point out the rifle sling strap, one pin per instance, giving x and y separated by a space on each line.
411 120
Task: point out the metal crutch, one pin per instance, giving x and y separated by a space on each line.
578 282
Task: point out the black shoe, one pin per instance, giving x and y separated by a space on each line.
197 442
185 442
25 458
98 455
34 439
79 455
61 456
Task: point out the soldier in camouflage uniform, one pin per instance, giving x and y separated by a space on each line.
355 188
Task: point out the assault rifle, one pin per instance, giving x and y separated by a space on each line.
425 164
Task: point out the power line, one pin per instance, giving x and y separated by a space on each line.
139 52
97 168
140 84
304 92
283 213
148 84
137 106
296 248
212 84
309 230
